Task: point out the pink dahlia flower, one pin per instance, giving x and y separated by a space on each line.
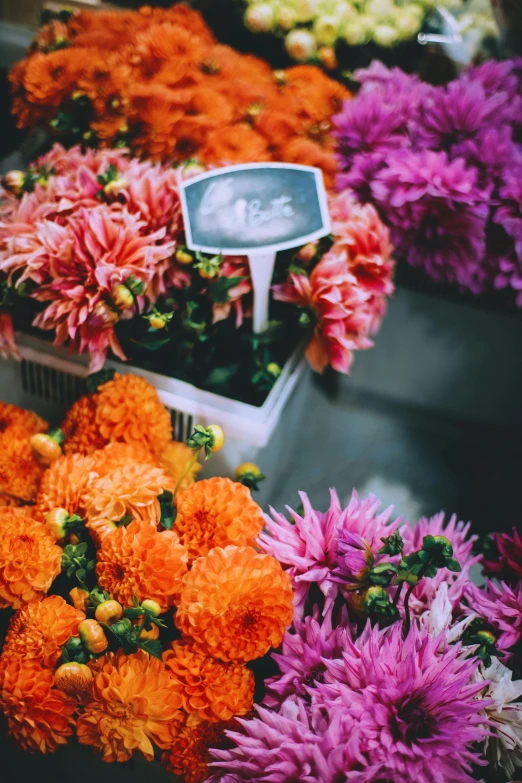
501 607
346 289
308 546
275 747
302 658
96 219
390 710
86 259
415 706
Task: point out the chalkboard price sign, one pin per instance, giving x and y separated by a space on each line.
256 207
255 210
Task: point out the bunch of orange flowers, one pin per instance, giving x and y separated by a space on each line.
167 600
156 80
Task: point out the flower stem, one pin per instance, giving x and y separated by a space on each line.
397 594
407 618
186 472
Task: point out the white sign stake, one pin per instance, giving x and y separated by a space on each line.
261 270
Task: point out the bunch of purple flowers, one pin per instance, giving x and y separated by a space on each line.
397 669
443 166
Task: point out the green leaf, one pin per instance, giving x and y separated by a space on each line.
168 512
168 521
219 290
152 647
383 567
96 379
453 564
127 645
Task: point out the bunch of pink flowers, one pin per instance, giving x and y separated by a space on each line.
95 238
397 668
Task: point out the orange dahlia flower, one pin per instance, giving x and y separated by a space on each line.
134 703
210 690
80 429
129 410
217 512
175 458
117 455
20 473
30 559
12 417
40 628
49 77
235 604
64 484
39 716
139 560
131 490
239 144
188 757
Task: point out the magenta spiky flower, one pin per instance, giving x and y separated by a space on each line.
302 661
501 607
308 545
416 710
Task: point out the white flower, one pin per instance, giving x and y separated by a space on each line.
286 17
300 45
357 30
438 618
260 18
326 30
385 35
505 716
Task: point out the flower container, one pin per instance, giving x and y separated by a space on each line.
48 381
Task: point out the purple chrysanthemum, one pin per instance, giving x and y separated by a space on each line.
361 174
501 607
302 658
437 213
273 748
415 707
463 109
370 126
490 152
392 710
307 546
442 166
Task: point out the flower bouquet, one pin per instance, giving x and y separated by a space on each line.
443 167
319 30
92 250
394 666
156 80
96 554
